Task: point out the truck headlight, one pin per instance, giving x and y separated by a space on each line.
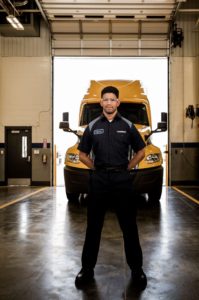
151 158
74 158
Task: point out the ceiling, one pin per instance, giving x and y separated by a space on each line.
108 27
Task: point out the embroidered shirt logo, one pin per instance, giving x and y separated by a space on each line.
98 131
121 131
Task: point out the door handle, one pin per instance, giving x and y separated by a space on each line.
28 159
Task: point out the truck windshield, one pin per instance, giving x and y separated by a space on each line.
134 112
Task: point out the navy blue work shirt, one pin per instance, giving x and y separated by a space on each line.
110 142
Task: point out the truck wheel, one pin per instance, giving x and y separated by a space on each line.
73 197
154 196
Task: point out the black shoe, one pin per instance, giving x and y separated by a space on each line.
84 276
139 279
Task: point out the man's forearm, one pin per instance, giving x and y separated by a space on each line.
85 159
136 159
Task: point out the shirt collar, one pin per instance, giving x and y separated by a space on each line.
117 116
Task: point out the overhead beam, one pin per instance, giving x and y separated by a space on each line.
9 7
43 13
189 10
31 10
139 33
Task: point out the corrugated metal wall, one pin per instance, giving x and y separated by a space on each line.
0 51
26 96
184 91
184 78
190 28
27 46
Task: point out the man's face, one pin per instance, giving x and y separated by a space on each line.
109 102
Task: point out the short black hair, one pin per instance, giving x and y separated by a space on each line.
110 89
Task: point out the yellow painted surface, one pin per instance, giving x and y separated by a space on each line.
22 198
185 194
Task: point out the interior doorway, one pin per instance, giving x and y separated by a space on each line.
72 77
18 155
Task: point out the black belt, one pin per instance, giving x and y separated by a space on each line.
111 168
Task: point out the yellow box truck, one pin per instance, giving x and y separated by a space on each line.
135 106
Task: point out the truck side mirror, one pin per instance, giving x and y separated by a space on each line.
162 126
64 124
163 117
65 116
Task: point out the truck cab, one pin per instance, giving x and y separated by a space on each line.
135 106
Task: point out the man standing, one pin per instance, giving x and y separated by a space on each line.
109 137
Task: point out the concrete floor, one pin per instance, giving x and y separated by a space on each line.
41 239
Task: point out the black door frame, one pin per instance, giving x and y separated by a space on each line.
6 149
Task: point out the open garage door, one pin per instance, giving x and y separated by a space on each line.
110 28
72 78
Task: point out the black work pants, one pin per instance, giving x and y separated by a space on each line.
111 189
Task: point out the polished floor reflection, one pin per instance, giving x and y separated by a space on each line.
41 239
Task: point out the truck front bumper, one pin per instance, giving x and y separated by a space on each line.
144 180
76 180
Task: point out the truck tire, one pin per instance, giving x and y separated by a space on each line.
73 197
155 195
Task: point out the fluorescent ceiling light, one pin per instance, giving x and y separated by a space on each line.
14 22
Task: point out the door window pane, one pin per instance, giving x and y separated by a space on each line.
24 146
